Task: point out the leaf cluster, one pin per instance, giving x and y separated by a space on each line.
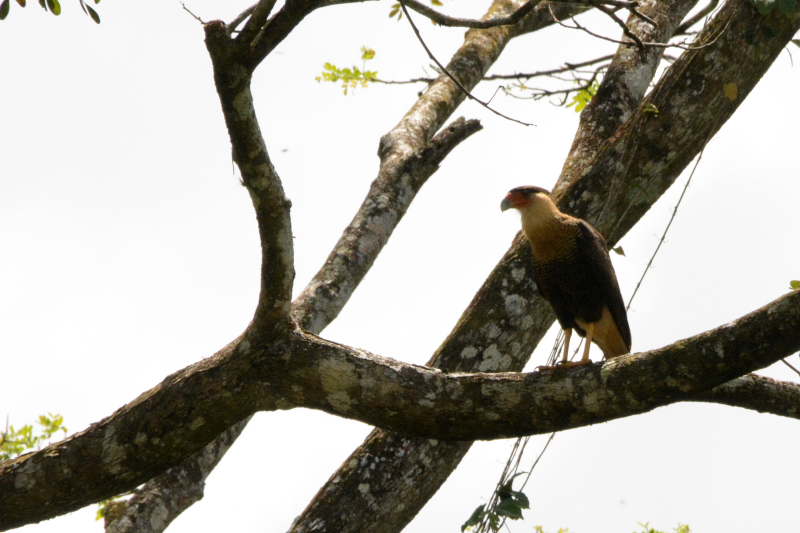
53 6
509 504
15 442
680 528
584 96
350 77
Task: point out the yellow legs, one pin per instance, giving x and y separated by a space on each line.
584 360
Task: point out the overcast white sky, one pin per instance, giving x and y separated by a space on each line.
128 250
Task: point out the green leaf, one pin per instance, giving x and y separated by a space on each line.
650 108
510 509
54 6
436 3
475 518
4 7
584 96
367 53
796 42
93 14
794 284
618 250
21 3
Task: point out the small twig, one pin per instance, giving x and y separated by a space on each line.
683 28
630 6
671 219
785 362
681 46
254 28
192 14
568 67
543 93
536 462
241 18
621 23
402 82
458 84
445 20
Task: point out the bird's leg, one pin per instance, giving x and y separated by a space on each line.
563 362
589 332
567 335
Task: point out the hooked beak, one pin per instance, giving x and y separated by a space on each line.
506 204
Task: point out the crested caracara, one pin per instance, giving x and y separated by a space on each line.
573 273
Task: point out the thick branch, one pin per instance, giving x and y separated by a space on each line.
178 417
232 80
162 499
398 182
426 403
624 84
758 393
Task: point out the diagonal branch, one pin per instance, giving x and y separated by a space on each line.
697 17
399 180
623 85
449 75
161 500
331 288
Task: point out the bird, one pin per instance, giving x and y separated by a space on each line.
573 272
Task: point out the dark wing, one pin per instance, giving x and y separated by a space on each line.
593 245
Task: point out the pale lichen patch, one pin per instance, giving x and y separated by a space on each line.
197 423
469 352
24 478
493 359
515 304
159 518
492 330
337 378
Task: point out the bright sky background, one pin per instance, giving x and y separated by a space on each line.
128 250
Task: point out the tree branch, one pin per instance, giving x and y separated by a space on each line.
623 85
427 403
232 80
484 23
399 180
162 499
691 21
757 393
175 419
450 75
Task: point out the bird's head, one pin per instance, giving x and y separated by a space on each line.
534 204
521 198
